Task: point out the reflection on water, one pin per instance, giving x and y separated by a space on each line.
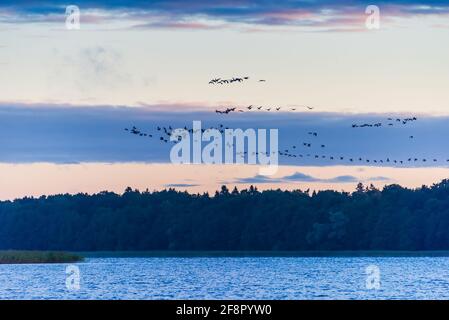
232 278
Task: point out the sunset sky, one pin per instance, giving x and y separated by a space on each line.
67 95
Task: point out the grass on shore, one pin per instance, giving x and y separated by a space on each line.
16 257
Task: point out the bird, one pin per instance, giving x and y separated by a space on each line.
214 81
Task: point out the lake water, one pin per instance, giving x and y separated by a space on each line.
232 278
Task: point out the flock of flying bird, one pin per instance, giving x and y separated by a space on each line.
258 108
288 153
390 123
164 133
232 80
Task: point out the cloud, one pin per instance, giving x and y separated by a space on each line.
380 179
301 177
66 133
99 60
180 185
177 25
347 15
256 179
342 179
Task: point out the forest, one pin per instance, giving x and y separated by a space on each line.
394 218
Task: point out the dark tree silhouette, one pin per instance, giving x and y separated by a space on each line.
394 218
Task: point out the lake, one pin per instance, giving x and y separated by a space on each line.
232 278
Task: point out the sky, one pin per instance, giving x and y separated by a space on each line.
66 95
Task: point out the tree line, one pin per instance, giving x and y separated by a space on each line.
394 218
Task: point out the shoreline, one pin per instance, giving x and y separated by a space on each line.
268 254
